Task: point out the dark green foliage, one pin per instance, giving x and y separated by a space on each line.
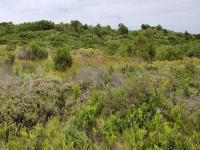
159 27
101 31
122 29
76 25
145 26
187 34
197 36
36 26
7 28
44 25
62 58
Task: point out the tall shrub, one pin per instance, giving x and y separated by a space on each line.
62 58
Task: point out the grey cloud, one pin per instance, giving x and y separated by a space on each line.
179 15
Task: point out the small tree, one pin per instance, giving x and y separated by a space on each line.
43 25
62 58
144 49
159 27
187 35
77 25
145 26
122 29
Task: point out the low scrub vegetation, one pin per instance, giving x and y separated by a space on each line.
78 87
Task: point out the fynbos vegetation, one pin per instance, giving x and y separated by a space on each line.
75 86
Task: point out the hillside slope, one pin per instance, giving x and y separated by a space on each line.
74 86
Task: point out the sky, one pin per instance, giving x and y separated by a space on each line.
177 15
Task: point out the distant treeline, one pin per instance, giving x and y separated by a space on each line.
122 41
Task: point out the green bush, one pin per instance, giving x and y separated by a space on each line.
76 91
113 48
36 26
194 50
168 52
144 48
62 58
38 50
86 119
54 136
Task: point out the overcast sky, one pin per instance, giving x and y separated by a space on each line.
178 15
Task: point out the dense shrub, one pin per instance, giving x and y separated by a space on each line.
140 114
76 91
194 50
77 26
145 26
122 29
169 53
44 25
33 102
36 26
55 133
38 51
62 58
113 48
144 48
